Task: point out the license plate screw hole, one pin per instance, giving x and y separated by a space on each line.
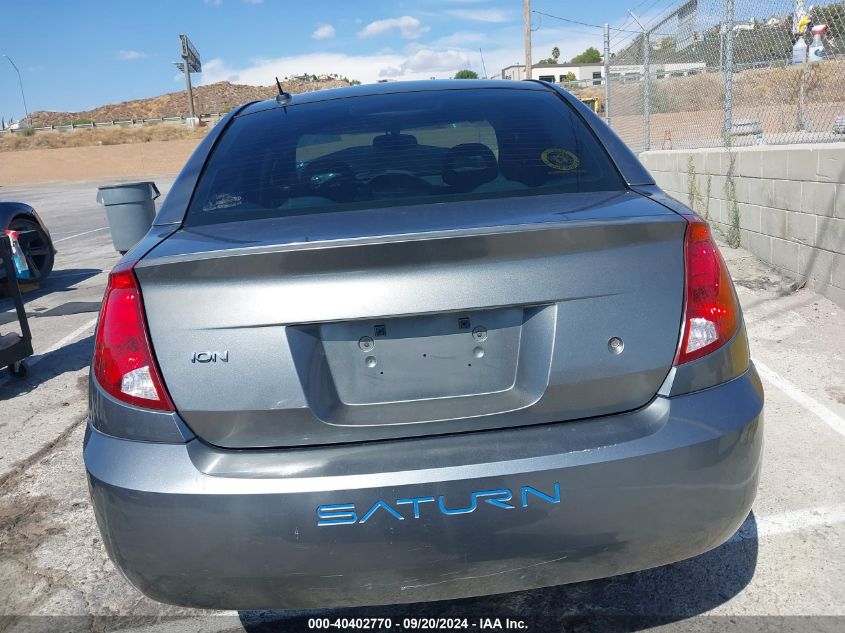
463 323
615 345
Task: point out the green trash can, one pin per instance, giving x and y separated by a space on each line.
130 209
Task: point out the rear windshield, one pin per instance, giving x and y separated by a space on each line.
399 149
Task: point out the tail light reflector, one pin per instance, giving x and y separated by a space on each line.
124 364
711 310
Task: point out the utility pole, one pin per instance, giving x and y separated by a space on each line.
646 85
607 74
526 20
23 96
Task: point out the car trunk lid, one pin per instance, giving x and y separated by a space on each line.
393 323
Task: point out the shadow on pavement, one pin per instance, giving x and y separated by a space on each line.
71 307
59 281
630 602
69 358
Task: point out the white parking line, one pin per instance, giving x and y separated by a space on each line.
70 338
70 237
790 521
827 416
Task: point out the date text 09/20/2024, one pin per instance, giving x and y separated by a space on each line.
413 624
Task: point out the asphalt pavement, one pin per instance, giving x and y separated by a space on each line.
781 571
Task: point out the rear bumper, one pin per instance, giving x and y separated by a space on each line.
192 525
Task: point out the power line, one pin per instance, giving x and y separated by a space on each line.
587 24
580 31
597 26
557 17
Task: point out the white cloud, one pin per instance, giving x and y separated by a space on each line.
429 61
461 38
422 64
129 55
262 71
253 1
323 32
409 27
214 3
480 15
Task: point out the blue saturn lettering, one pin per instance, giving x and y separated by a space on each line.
526 490
415 502
497 498
345 513
338 514
376 506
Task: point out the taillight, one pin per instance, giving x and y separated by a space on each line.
124 364
711 311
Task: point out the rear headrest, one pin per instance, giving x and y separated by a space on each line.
521 159
394 141
469 165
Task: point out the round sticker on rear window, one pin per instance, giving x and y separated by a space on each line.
560 159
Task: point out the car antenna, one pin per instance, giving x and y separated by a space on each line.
283 98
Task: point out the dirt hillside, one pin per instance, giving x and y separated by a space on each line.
217 97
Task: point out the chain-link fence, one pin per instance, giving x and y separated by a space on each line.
709 70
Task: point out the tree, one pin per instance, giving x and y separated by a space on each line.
589 56
570 76
466 74
554 59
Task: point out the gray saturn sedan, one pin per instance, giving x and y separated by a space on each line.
415 341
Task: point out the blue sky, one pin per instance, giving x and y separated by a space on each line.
82 54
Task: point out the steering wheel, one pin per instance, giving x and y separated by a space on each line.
332 179
398 184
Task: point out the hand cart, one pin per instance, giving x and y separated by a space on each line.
14 348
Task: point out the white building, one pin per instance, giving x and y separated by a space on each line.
593 74
557 73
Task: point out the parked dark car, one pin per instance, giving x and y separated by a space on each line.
416 341
37 247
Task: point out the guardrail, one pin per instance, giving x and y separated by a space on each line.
212 116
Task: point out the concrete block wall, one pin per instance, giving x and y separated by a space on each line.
791 201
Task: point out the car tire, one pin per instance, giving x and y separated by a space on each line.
39 253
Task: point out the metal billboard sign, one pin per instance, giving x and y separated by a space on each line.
686 25
190 55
